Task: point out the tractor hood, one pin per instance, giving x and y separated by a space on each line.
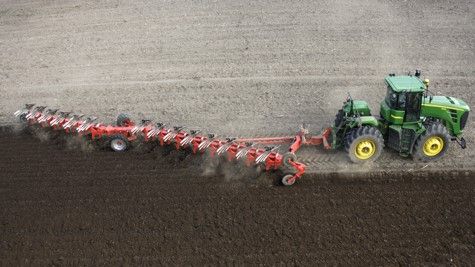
445 102
454 112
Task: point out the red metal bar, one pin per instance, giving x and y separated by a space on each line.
267 140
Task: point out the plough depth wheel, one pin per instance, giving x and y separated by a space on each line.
119 143
288 180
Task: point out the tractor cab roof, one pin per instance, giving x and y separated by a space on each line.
405 84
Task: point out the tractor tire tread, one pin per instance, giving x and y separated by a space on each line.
434 128
364 131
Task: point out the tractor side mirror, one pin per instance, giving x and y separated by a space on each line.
418 73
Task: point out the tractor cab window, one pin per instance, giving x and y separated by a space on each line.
413 107
402 101
395 100
391 98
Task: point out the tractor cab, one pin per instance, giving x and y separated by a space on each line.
401 112
403 100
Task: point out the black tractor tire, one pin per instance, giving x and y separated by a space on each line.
122 119
119 143
339 118
364 144
432 144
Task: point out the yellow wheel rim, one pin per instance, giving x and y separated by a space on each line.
433 146
365 149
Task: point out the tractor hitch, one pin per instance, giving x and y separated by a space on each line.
462 143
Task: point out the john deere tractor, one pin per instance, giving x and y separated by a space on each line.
411 121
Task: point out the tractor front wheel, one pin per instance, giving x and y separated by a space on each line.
433 144
364 144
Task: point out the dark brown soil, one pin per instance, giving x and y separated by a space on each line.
61 206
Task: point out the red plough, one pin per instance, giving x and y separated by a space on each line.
254 152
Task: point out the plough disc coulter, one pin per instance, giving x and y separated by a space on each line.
253 152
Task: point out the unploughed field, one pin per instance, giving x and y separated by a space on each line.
235 68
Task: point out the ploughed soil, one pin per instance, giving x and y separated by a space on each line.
61 204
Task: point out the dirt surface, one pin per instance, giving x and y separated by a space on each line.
238 68
96 207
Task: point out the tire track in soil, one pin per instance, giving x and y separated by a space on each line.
98 207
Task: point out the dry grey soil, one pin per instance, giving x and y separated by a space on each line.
239 68
62 206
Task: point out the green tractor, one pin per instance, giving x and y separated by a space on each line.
412 121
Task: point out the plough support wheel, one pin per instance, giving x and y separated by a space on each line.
119 143
288 180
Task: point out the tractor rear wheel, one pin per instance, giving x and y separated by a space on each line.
433 144
364 144
119 143
123 119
